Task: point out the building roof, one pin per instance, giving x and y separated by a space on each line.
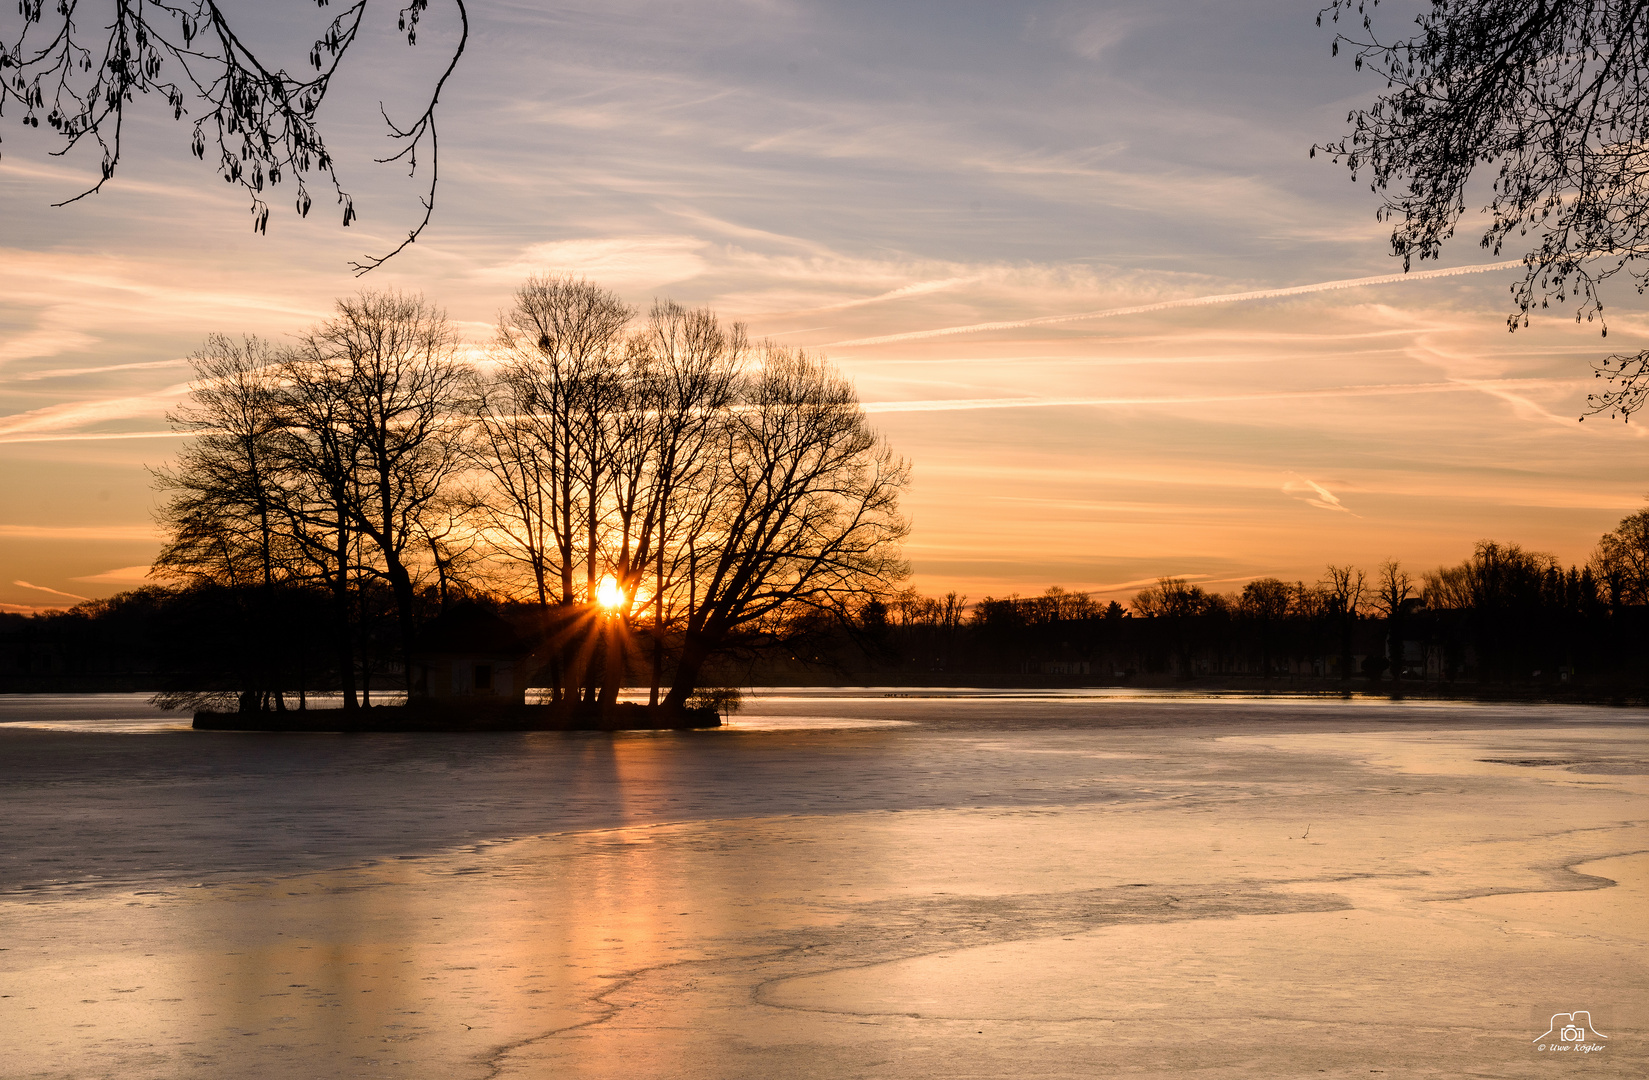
470 628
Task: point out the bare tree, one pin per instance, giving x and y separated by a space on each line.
388 364
258 120
1392 590
558 349
683 379
711 498
1622 559
219 513
515 505
223 493
321 455
1496 578
1170 597
560 356
1267 601
1345 588
1393 587
804 510
1553 99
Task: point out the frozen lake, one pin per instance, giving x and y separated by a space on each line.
840 884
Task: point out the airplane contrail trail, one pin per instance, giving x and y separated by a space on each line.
1190 301
1365 390
54 592
94 435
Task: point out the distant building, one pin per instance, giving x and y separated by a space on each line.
469 652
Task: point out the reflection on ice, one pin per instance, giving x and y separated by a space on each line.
757 722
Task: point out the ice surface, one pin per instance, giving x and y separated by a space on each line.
973 886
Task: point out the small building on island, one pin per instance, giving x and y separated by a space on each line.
470 652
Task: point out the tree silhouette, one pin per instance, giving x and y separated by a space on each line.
222 508
801 514
256 119
386 361
1345 588
1623 558
1553 99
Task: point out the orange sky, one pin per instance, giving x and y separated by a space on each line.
1075 259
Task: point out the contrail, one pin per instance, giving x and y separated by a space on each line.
1190 301
54 592
63 373
6 440
918 289
81 532
1363 390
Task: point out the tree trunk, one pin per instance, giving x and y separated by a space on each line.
615 656
405 602
346 651
1345 649
695 650
345 644
658 618
1395 635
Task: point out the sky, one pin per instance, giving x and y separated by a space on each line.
1074 256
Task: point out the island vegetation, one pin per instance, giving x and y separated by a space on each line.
614 493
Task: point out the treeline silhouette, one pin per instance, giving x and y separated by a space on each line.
1503 616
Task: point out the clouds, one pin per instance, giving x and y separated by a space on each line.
65 373
1074 256
68 416
43 341
626 263
1088 33
1314 494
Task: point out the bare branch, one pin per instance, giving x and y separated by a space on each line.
260 119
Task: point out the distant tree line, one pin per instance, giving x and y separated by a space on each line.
1503 614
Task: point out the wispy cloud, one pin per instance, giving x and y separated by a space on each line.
1142 582
1087 34
1314 494
54 592
31 609
921 288
72 414
45 341
623 263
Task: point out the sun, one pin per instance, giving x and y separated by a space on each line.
608 594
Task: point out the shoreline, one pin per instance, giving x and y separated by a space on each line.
1148 686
